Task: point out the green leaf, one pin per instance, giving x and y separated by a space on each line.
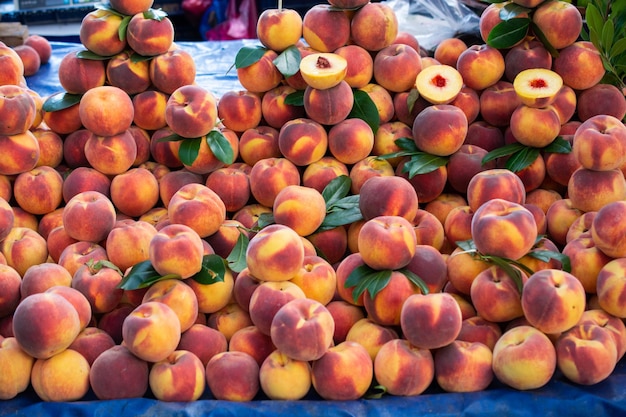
512 10
60 101
618 47
593 18
295 99
213 270
364 108
288 62
608 31
174 137
336 189
249 55
346 202
423 163
86 54
341 218
376 392
522 159
505 265
155 14
363 278
237 257
108 8
189 150
408 144
544 40
265 219
547 255
502 151
135 58
509 32
220 146
412 98
121 31
142 275
103 263
559 145
416 279
466 245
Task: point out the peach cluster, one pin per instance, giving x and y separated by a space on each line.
91 191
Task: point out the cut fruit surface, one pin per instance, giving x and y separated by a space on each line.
323 70
439 83
537 87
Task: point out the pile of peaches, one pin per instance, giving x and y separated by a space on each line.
348 227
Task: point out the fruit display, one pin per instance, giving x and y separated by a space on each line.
363 218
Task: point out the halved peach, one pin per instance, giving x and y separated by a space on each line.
537 87
323 70
439 83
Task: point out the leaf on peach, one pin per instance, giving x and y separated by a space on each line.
60 101
508 32
288 62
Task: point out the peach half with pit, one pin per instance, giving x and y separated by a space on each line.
323 70
537 87
439 84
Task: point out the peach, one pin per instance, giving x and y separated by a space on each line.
204 341
524 358
608 186
325 28
243 381
560 22
239 110
91 342
232 186
360 69
78 75
320 173
586 354
496 296
43 339
24 151
388 196
41 277
303 141
174 180
393 362
302 329
597 143
439 84
350 140
129 74
142 140
385 138
83 179
385 306
179 377
113 364
249 214
41 45
249 339
477 329
149 109
431 320
100 32
503 228
176 249
553 300
106 110
228 319
343 270
382 99
331 244
601 99
198 207
445 138
490 17
148 36
468 100
480 66
448 50
10 283
463 366
323 70
560 217
275 253
524 125
343 373
151 331
580 65
329 106
613 324
497 104
429 185
39 191
464 164
100 285
134 192
606 229
19 109
63 377
50 147
267 299
80 214
530 53
586 260
275 113
294 204
191 111
389 59
78 252
177 295
284 378
261 76
278 29
113 154
269 176
259 143
345 316
495 183
8 218
609 287
435 275
374 26
171 70
17 366
394 233
131 8
22 248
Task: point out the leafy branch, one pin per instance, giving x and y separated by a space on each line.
418 162
364 278
190 147
521 156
